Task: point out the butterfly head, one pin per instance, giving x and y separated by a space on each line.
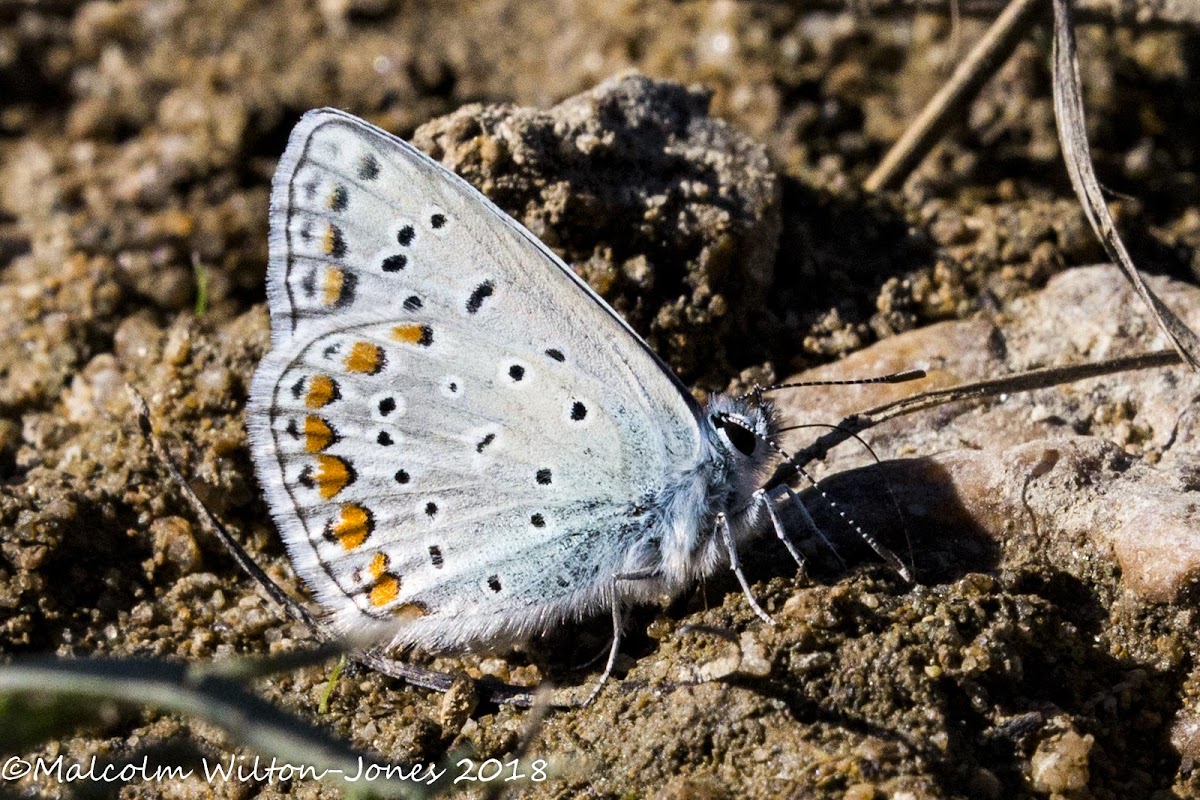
742 432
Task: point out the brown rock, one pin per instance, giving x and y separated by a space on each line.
1015 471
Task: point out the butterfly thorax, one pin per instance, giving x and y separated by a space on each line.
680 543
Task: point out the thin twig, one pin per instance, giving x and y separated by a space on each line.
1140 14
535 720
1072 134
205 694
239 555
1019 382
949 105
417 676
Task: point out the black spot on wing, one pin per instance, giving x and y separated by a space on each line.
339 199
481 293
308 284
349 285
335 245
368 167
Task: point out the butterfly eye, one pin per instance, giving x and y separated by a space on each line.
737 435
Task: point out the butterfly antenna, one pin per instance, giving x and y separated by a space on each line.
895 377
882 551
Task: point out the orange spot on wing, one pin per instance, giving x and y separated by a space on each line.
385 590
353 526
334 281
333 475
317 434
365 357
413 334
321 391
332 242
387 585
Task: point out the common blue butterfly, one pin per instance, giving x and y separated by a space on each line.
462 444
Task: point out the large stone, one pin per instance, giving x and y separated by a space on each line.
1088 474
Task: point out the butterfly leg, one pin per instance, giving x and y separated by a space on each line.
722 524
761 496
879 547
811 523
618 618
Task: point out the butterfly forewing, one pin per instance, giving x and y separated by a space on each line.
455 436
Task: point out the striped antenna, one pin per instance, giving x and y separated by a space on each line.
895 377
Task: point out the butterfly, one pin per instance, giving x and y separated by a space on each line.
461 444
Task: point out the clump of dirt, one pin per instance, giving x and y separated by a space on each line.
671 215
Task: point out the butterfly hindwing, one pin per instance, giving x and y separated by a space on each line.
456 437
